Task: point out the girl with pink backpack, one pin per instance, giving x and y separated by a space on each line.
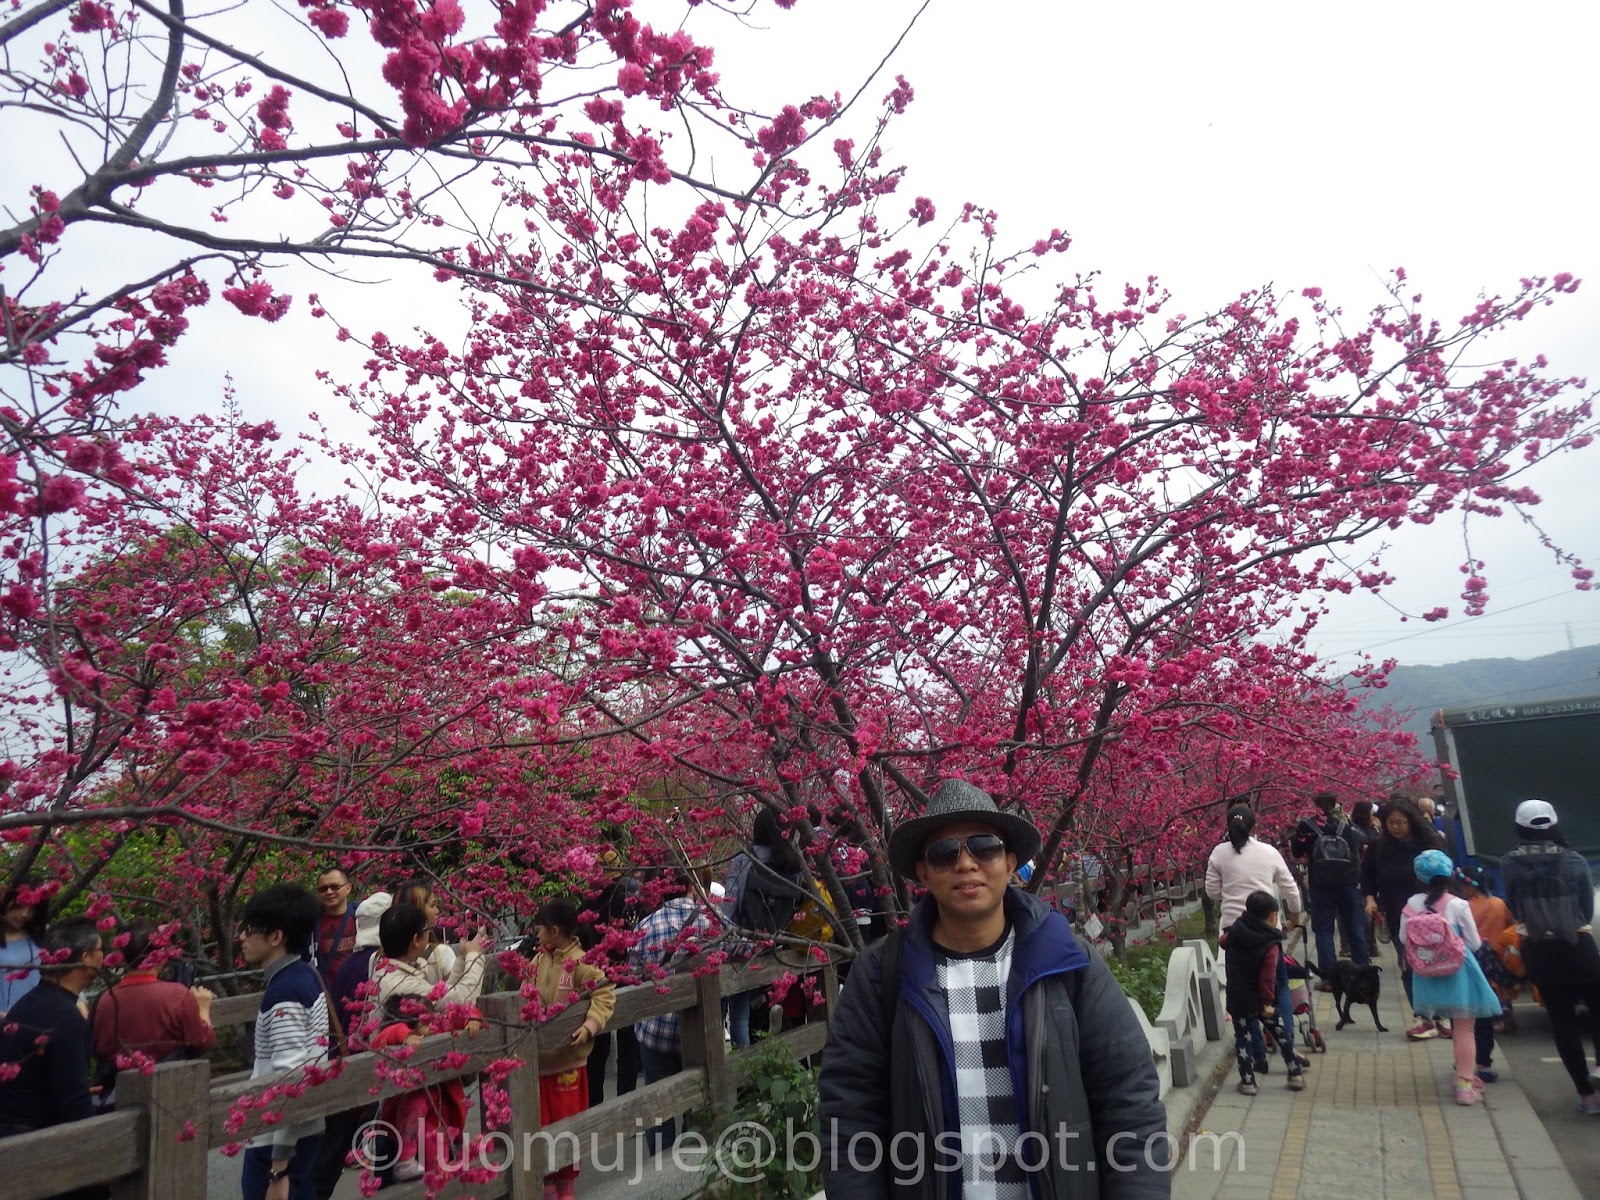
1441 938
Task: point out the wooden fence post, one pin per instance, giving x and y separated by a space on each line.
525 1176
172 1096
703 1045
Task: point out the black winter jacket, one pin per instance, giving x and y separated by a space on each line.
1081 1069
1254 949
1308 831
53 1084
1387 876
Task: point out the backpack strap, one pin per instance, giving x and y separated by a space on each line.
338 1045
889 992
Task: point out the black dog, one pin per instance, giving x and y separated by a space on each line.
1354 983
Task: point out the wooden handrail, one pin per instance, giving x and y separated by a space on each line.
75 1155
155 1145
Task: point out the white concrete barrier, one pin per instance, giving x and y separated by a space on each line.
1160 1047
1212 1008
1180 1014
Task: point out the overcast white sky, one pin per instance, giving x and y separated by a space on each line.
1221 146
1218 146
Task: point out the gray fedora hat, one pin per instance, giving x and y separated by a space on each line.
957 800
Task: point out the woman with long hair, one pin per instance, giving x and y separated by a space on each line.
1239 867
418 893
1364 816
22 925
1388 881
765 884
1243 864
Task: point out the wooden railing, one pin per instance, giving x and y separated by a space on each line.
154 1147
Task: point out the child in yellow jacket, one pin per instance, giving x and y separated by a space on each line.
563 978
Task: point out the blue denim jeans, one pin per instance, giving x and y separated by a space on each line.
1258 1040
1344 905
739 1018
658 1065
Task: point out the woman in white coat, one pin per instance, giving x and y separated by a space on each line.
1245 864
1237 867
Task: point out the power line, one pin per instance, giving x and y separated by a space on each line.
1406 637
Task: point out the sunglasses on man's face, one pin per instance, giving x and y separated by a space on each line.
332 887
985 848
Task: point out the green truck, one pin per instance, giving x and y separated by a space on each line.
1501 754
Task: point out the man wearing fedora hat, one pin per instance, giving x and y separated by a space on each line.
983 1044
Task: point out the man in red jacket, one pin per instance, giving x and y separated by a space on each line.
147 1017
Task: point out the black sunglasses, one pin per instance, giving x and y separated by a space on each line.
985 848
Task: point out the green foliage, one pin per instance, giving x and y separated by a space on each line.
1144 978
1142 970
779 1097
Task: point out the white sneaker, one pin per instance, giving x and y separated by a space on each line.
408 1170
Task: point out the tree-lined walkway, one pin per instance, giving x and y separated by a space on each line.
1377 1121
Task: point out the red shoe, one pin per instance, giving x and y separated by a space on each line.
1422 1031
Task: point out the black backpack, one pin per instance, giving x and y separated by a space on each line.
764 911
1333 862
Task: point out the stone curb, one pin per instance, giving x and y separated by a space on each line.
1536 1165
1187 1107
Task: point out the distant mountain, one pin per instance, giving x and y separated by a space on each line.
1418 691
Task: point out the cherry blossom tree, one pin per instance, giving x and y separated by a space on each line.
877 504
786 493
763 486
224 653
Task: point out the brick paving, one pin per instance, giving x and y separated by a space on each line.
1377 1121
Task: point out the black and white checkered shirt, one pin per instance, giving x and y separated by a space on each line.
974 987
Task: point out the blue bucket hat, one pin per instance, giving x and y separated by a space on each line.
1431 864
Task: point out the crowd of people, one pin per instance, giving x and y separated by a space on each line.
342 973
930 1001
1381 874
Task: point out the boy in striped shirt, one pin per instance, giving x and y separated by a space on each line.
291 1031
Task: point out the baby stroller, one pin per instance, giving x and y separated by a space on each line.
1301 999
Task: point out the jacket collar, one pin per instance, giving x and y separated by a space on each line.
1044 944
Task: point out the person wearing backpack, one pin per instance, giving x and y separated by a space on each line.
764 888
1441 939
1388 881
1551 894
1332 847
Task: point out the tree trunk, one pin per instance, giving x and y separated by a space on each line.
1116 916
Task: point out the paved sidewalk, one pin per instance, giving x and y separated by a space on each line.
1377 1121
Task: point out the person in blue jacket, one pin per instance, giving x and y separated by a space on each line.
983 1052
